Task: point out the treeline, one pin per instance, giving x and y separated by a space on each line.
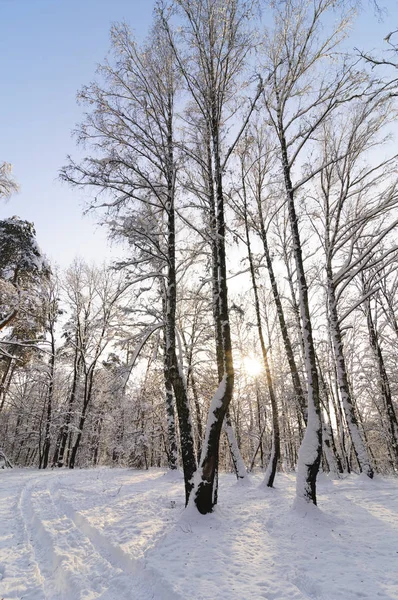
246 162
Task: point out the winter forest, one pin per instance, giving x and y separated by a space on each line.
243 160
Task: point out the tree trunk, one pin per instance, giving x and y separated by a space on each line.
237 460
172 368
6 381
198 415
275 448
191 381
98 430
88 392
298 388
384 383
329 446
58 458
205 493
50 394
171 427
311 447
359 447
172 450
340 423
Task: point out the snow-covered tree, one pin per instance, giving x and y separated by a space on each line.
132 127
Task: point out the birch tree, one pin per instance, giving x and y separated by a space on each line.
247 164
52 312
131 127
199 181
375 331
214 45
353 197
303 89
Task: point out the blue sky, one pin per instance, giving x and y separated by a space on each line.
48 50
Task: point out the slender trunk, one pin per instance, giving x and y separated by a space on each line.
311 447
68 447
359 447
58 458
237 460
32 457
39 430
215 267
97 440
191 381
171 427
258 447
384 383
275 449
15 436
172 367
172 450
88 392
198 415
206 488
330 450
298 388
340 423
50 393
295 303
6 381
261 428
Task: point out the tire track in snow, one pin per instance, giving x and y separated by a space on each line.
144 582
27 538
68 565
71 566
20 573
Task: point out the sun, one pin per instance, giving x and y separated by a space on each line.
252 365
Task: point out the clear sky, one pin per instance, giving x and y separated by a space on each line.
48 50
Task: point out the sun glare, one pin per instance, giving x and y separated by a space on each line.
252 365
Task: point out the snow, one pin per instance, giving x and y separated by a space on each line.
215 405
115 534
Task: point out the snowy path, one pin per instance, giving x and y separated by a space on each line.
51 552
123 535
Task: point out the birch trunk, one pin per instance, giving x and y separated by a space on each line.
384 384
50 394
58 458
205 493
191 382
6 380
329 446
358 443
171 428
173 369
172 450
237 460
88 392
275 449
311 447
298 388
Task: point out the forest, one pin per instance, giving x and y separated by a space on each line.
243 160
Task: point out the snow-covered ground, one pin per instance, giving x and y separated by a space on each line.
123 535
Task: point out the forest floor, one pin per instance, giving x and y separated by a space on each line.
114 534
